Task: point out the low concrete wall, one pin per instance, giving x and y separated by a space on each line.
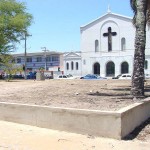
132 116
107 124
113 124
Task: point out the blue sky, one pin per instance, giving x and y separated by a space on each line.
56 23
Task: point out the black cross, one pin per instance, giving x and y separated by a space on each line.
109 34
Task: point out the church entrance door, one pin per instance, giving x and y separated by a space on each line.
110 69
96 68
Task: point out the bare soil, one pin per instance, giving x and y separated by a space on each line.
105 95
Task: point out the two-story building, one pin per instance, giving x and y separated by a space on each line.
35 61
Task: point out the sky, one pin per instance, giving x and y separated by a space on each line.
56 23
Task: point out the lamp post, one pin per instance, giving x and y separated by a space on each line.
45 50
25 53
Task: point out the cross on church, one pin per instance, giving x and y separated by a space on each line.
110 34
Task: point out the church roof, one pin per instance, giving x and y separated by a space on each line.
73 54
108 14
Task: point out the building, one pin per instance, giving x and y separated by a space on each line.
52 61
72 63
107 47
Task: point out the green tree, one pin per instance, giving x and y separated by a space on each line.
8 65
14 21
141 10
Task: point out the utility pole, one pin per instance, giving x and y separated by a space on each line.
45 50
25 53
25 56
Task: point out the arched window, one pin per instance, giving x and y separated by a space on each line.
67 66
110 69
124 68
123 44
96 46
146 64
96 68
72 65
77 66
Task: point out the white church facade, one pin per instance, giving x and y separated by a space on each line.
107 48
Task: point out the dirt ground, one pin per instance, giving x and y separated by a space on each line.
83 94
23 137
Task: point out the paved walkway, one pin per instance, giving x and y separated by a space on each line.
23 137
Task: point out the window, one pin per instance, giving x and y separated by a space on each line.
29 59
77 66
55 58
123 44
146 64
18 60
64 76
72 65
48 58
67 66
96 46
39 59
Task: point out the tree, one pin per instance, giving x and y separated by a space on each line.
8 65
141 10
14 21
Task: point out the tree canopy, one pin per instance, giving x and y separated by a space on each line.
14 22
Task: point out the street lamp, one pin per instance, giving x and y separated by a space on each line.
45 50
25 53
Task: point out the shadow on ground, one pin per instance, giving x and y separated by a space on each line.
136 133
97 93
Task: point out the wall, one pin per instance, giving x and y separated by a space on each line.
112 124
133 116
71 120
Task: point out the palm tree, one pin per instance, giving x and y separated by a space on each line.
141 9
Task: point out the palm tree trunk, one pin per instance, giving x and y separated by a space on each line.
137 89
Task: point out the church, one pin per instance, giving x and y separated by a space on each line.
107 48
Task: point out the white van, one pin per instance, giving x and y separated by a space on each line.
125 76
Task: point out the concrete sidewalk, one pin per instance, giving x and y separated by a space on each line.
23 137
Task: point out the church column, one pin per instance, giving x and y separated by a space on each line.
117 67
103 69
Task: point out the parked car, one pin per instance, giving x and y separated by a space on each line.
68 76
92 77
125 76
18 76
31 75
147 76
2 76
117 77
48 76
62 76
13 76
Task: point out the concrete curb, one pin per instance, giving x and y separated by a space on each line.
112 124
